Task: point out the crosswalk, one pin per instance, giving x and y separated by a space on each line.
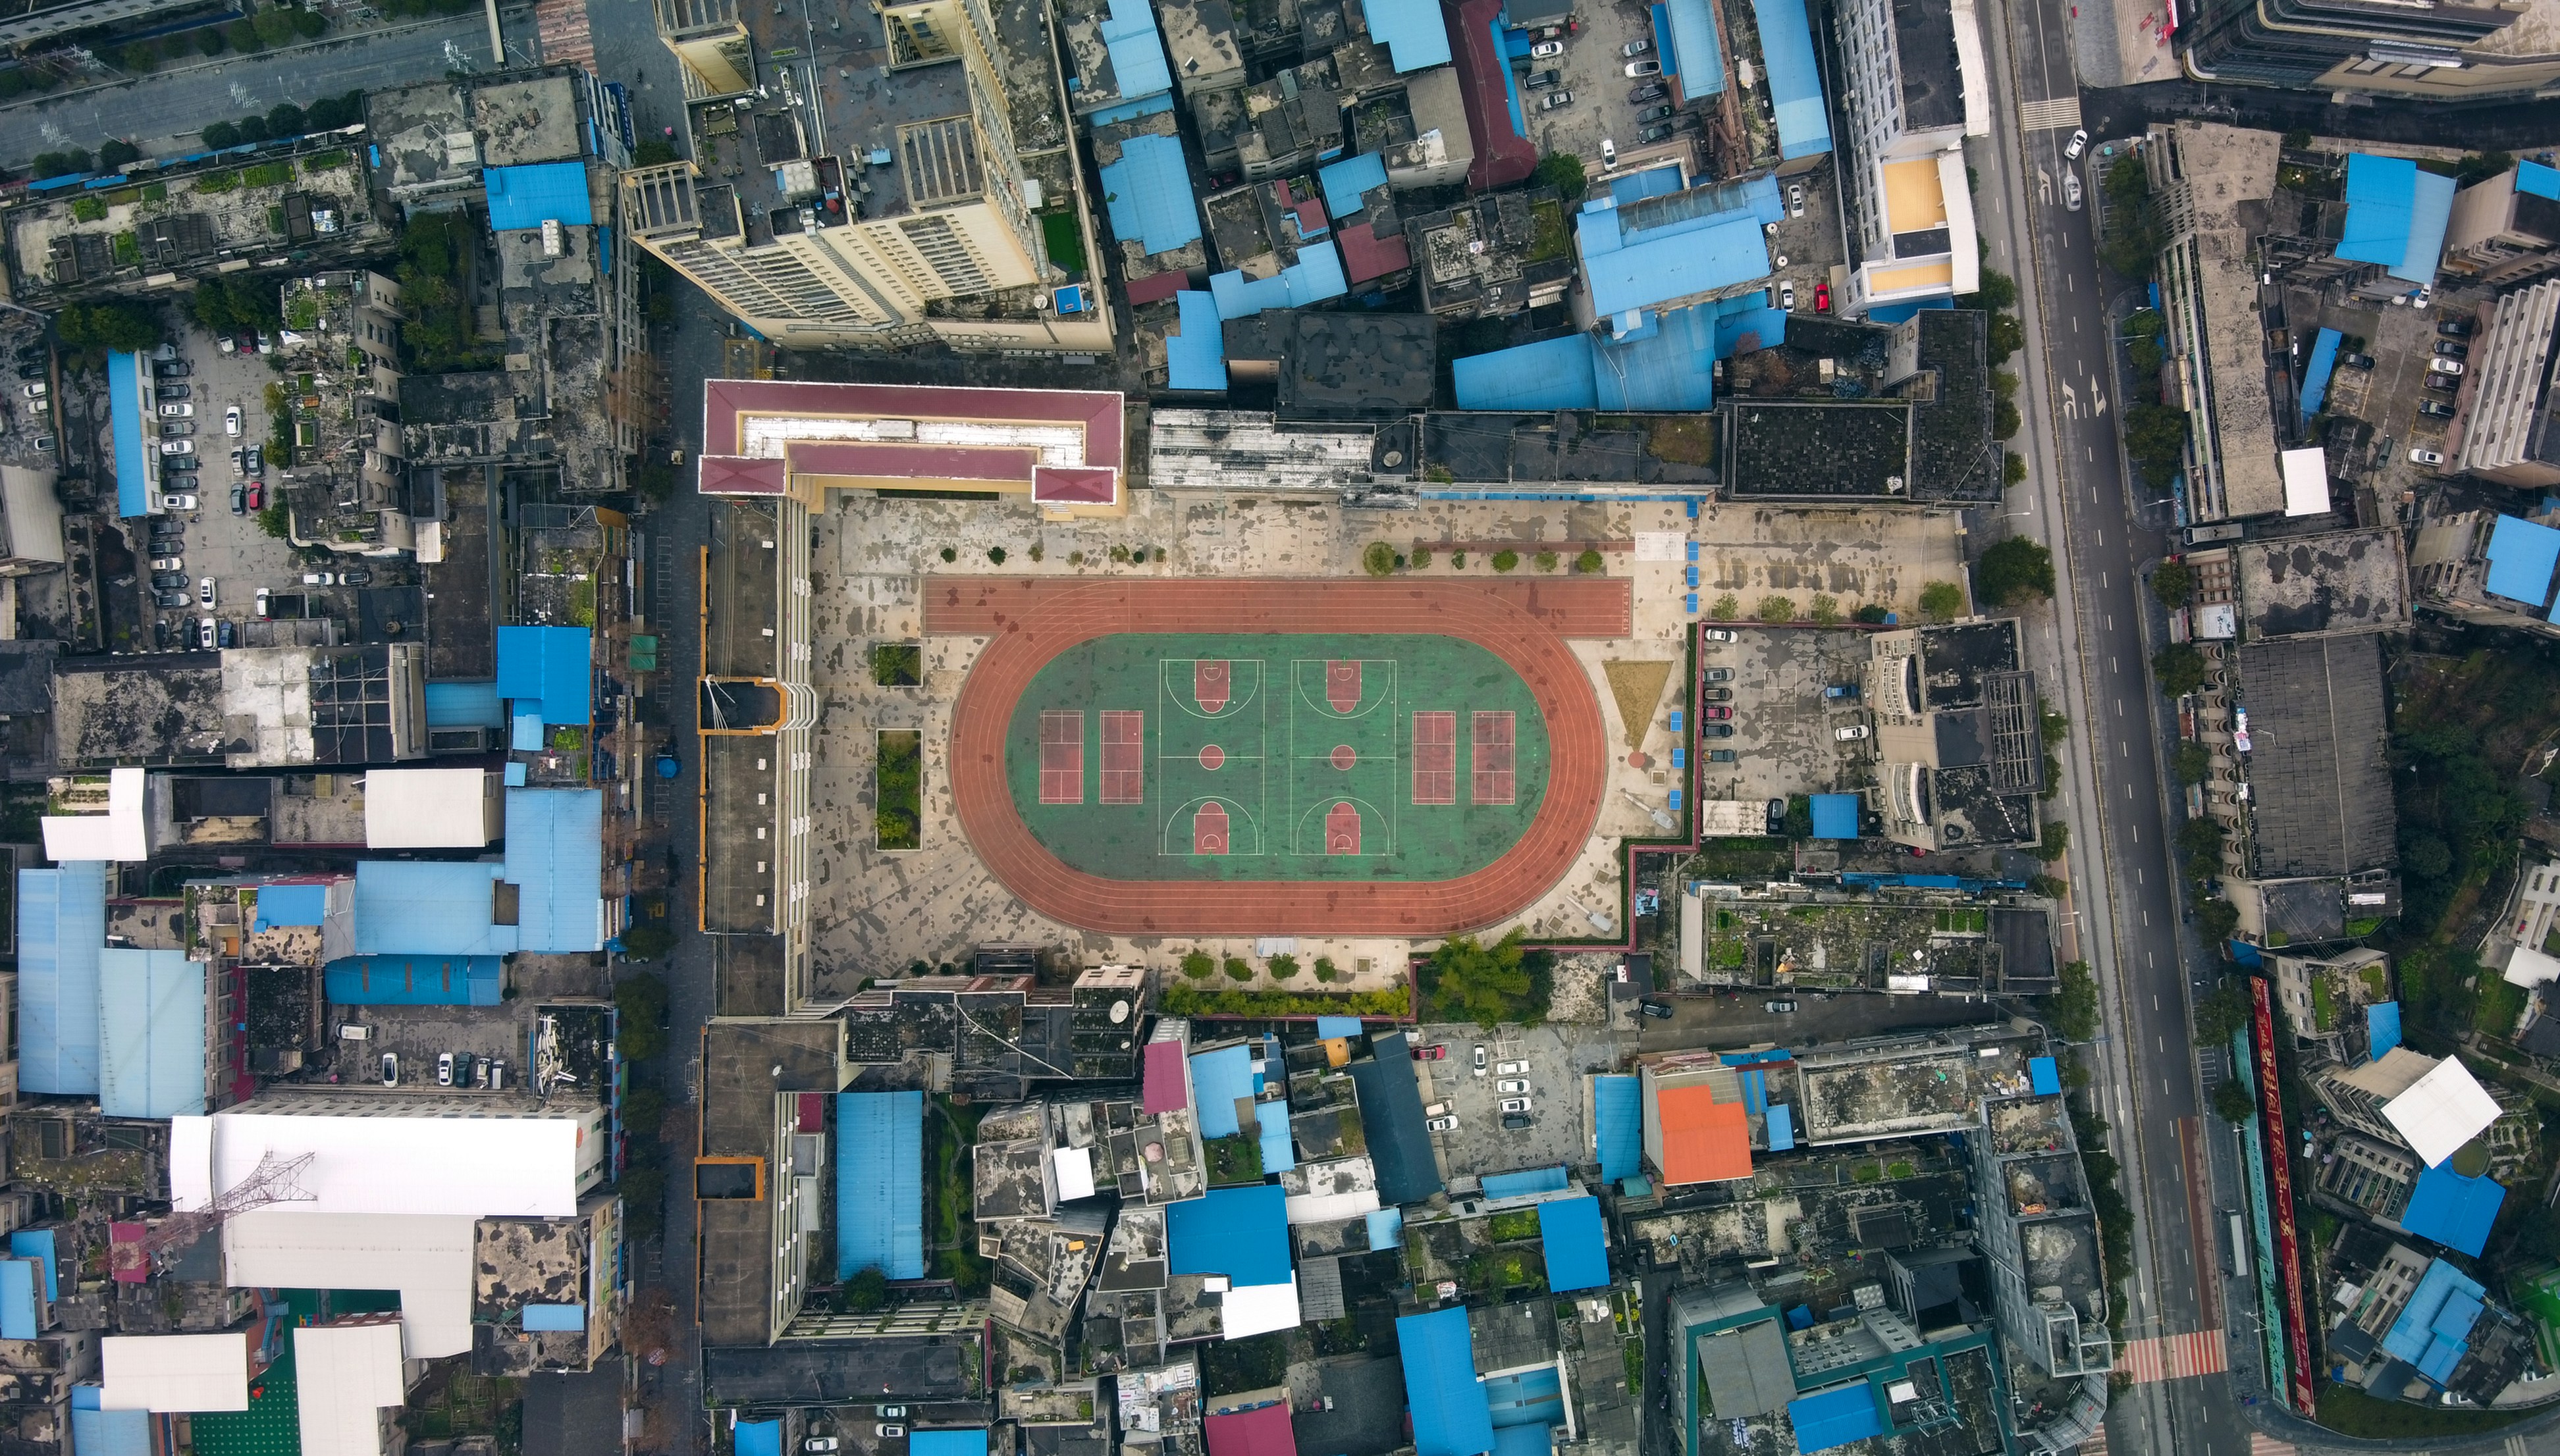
2062 113
2262 1444
2259 1444
2515 1446
2174 1357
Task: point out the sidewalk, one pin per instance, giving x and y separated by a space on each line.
2122 43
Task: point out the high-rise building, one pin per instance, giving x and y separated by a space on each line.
1914 87
900 177
2204 174
2508 432
2506 229
2449 51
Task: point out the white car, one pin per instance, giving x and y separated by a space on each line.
1482 1061
2425 457
2071 191
1511 1085
205 592
1787 295
178 502
2448 367
35 391
177 447
1639 69
319 578
1512 1068
261 609
2072 148
1442 1124
204 633
177 411
1722 633
1516 1104
231 420
1545 50
1851 734
1794 200
445 1069
168 563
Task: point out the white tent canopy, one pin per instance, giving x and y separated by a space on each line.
479 1167
174 1373
345 1374
2442 1110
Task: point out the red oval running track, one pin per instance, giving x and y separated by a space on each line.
1022 643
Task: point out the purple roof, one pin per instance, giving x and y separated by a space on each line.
1167 1089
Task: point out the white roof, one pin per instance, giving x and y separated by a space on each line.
2305 480
117 834
1258 1309
429 809
1327 1208
2530 967
345 1374
426 1259
175 1372
2217 621
1074 1172
476 1167
2442 1110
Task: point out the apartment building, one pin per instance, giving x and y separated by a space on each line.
2446 52
891 180
1914 87
2508 434
1962 758
2203 176
2506 228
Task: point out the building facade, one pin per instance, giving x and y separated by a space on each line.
1914 87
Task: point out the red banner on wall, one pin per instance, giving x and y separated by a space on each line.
2280 1179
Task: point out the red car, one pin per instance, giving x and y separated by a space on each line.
256 495
1715 714
1822 298
1432 1053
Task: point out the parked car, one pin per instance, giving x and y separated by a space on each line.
38 390
169 601
352 576
390 1069
1722 633
1434 1052
177 411
1777 1008
169 581
1655 1009
1652 91
223 632
1482 1059
2426 457
1637 69
2446 382
1635 48
1849 734
204 590
890 1412
1715 714
44 442
240 461
259 608
1721 756
1547 49
2435 410
172 392
265 342
319 578
1715 694
1514 1104
1511 1069
1787 295
1653 135
231 420
240 499
2452 368
177 447
2455 328
1539 81
180 464
1554 99
172 369
2452 349
256 460
1775 813
1515 1121
177 428
1448 1123
444 1068
227 345
1842 693
2079 141
2071 191
204 633
1794 200
1556 32
2357 361
1716 730
1822 298
1652 114
1719 675
1511 1085
819 1445
33 372
178 502
168 563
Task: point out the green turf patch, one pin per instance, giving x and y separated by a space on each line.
1180 756
272 1424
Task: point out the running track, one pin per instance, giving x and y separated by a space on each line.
1524 622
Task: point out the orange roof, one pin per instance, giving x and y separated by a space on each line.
1703 1140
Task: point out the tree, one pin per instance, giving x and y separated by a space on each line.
1588 562
1725 608
2014 572
643 1110
331 112
1282 967
142 56
647 942
1506 560
1378 558
2173 583
1564 172
2007 336
240 305
2215 920
2012 469
2192 763
2222 1012
1238 969
996 554
222 134
866 1290
2297 140
254 128
209 41
1546 560
2180 667
2200 846
2232 1101
125 328
654 152
1825 610
2048 887
285 119
1998 291
2074 1007
2426 857
274 26
2005 421
2056 841
310 25
2156 441
1942 601
1486 984
641 1002
1776 610
1198 965
1325 970
116 152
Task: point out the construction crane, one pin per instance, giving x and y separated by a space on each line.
276 1179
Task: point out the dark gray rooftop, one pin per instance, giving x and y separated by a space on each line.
838 1372
1953 455
1789 449
2302 586
1337 365
1400 1146
1924 43
1958 661
1367 1415
2320 788
575 1414
1569 445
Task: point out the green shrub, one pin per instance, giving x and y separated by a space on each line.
1283 967
1776 610
2014 572
1378 559
1325 970
1198 964
1187 1000
1725 608
1826 609
1506 560
1421 557
1546 560
646 942
1238 969
88 210
1588 562
996 554
1942 601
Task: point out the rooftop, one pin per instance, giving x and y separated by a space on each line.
1337 365
2321 797
2395 216
2308 586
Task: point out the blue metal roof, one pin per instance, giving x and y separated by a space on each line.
125 410
151 1034
1148 194
1532 1398
1795 85
1521 1185
1279 1151
38 1244
1577 1254
556 861
2538 180
1834 815
62 929
1553 373
1834 1418
1314 278
1649 182
2454 1211
1617 1125
290 905
1668 363
1529 1438
417 906
464 705
762 1438
2044 1075
1242 1233
2315 373
550 665
1218 1078
1337 1026
969 1443
2435 1325
1346 181
1701 50
546 192
2381 1028
18 1307
1450 1417
880 1184
1630 270
1387 1228
1196 359
2395 216
416 980
96 1432
1412 31
2521 554
1782 1128
1138 62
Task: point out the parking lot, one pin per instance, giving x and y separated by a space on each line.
1784 739
2400 340
1593 70
1810 240
1558 1060
419 1035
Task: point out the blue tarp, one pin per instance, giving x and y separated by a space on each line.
1577 1256
1520 1184
151 1034
2538 180
2315 373
414 907
1616 1126
290 905
1138 65
38 1244
1218 1079
521 198
2454 1211
1337 1026
2521 554
1899 313
1196 359
1386 1226
969 1443
1314 278
96 1432
564 1316
1782 1128
2395 216
1279 1152
1346 181
1701 50
1529 1438
62 928
551 665
1532 1398
1795 85
2381 1028
556 861
1667 365
1450 1417
464 705
762 1438
880 1184
416 980
127 408
1412 31
2044 1075
1242 1233
1553 373
525 736
1148 194
1834 815
1834 1418
2434 1327
19 1310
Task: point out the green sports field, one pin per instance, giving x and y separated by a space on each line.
1213 755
